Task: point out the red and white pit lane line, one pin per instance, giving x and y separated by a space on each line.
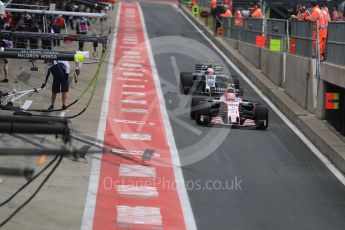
125 194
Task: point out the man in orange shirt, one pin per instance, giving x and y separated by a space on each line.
238 17
317 15
335 14
327 19
257 11
228 3
302 12
213 4
227 12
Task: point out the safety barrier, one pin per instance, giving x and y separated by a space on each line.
295 37
269 33
336 43
232 28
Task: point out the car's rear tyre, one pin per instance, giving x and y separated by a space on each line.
203 113
186 82
261 117
194 106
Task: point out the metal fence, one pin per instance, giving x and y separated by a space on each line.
295 36
336 43
278 30
233 28
248 30
251 28
302 38
336 117
203 3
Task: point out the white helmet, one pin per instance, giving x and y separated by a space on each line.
210 71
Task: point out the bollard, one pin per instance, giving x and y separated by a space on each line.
196 10
205 14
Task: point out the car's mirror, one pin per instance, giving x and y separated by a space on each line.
239 92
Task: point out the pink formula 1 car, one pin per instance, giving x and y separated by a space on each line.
230 110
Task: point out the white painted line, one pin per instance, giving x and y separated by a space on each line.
132 65
143 111
129 26
126 47
120 150
139 217
129 79
131 69
134 86
129 121
180 183
137 191
133 101
27 104
133 74
132 152
130 43
133 61
137 171
130 38
90 204
134 93
130 30
306 141
136 136
132 52
131 35
131 56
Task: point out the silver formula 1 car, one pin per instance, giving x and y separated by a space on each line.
202 83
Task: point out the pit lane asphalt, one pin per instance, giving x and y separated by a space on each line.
282 184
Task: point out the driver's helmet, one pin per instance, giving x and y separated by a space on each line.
230 97
210 71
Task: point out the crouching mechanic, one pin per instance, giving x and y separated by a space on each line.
60 71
